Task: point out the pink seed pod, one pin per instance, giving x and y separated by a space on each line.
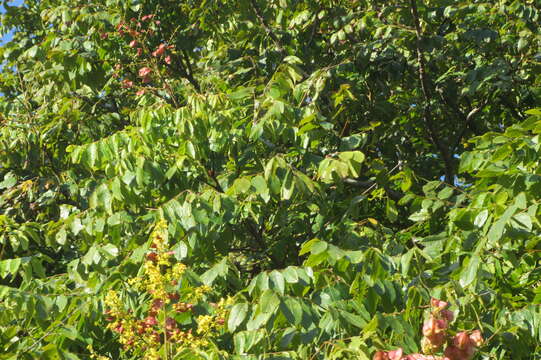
438 304
160 50
395 354
461 340
476 338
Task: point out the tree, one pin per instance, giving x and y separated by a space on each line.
324 167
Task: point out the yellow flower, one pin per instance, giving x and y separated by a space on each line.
205 324
201 290
178 270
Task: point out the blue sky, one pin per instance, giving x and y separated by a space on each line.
7 37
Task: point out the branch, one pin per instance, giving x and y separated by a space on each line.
467 121
266 26
427 112
393 194
186 70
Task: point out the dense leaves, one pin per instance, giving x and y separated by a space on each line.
320 170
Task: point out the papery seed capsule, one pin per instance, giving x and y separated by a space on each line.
438 304
159 51
447 315
461 340
395 354
476 338
151 321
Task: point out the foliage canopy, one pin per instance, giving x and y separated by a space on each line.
304 175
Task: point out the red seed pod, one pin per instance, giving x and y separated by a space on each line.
151 321
160 50
447 315
395 354
438 304
141 327
461 340
476 338
126 84
157 304
144 73
454 353
170 323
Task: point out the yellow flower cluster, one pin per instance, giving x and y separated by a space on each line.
206 323
178 270
156 282
159 331
93 354
185 339
200 291
159 236
222 308
114 303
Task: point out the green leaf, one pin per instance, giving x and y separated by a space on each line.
470 271
9 181
277 281
481 218
391 211
292 310
220 269
236 316
445 193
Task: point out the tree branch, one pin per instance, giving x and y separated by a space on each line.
266 26
427 112
186 70
393 194
467 121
